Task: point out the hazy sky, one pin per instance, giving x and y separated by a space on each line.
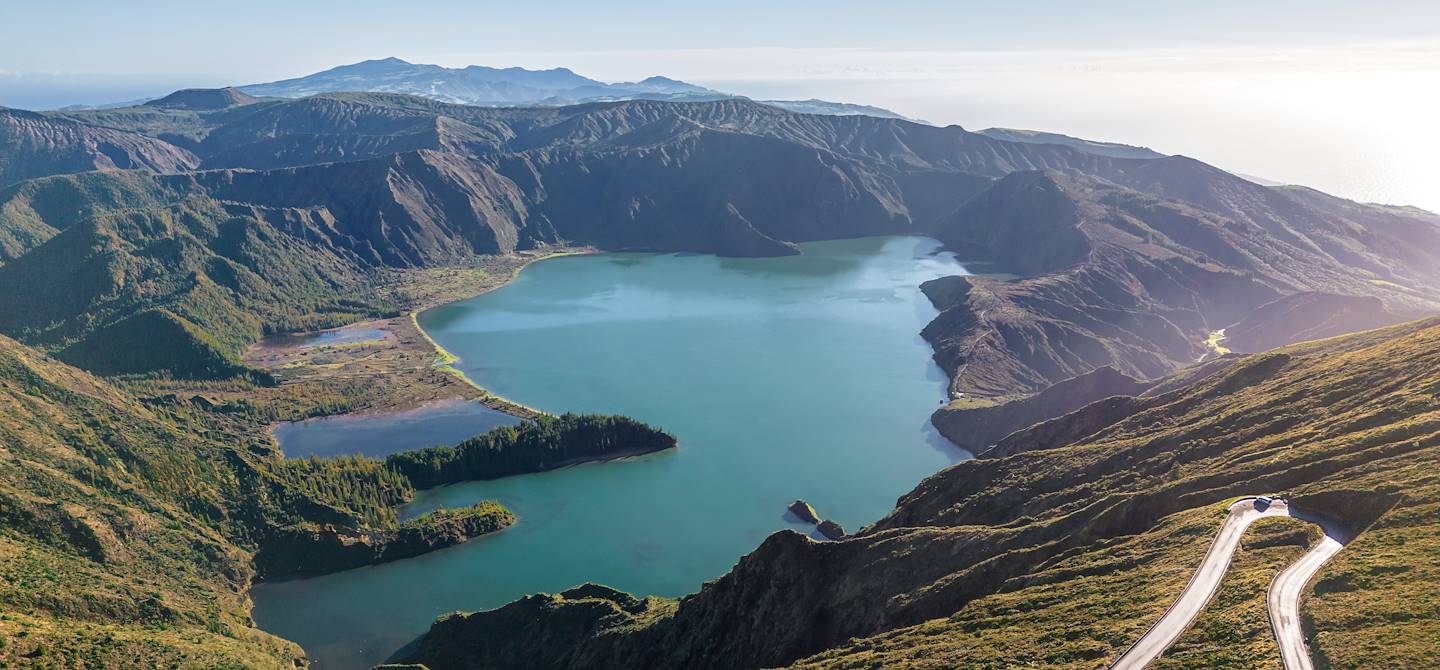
268 38
1338 95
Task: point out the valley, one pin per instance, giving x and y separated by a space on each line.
782 310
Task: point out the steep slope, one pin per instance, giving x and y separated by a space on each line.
404 209
36 210
338 128
1160 253
1103 285
182 287
1058 557
116 522
1110 276
37 145
1306 316
978 424
1322 240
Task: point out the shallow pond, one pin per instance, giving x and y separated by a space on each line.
441 423
322 338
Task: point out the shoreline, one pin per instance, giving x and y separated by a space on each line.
402 369
445 361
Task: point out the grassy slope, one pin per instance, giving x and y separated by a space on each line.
1080 610
200 277
110 531
1375 606
127 528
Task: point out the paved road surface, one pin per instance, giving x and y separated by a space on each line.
1287 589
1202 587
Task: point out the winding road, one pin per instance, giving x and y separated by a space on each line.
1283 599
1287 589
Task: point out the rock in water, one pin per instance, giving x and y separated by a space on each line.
831 529
805 511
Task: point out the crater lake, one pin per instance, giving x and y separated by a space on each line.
783 378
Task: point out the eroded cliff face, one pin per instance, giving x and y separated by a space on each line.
37 145
1135 270
1141 316
992 525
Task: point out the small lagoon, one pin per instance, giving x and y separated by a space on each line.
378 435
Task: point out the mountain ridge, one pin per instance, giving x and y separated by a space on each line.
152 245
515 86
391 181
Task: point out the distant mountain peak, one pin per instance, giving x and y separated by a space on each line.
203 99
390 61
509 86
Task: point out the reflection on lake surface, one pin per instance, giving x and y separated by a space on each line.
322 338
443 423
797 377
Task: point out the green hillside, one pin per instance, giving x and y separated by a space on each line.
129 530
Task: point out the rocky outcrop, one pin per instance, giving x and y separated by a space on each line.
976 425
804 511
946 292
311 549
539 631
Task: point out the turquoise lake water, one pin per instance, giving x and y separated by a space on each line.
783 378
